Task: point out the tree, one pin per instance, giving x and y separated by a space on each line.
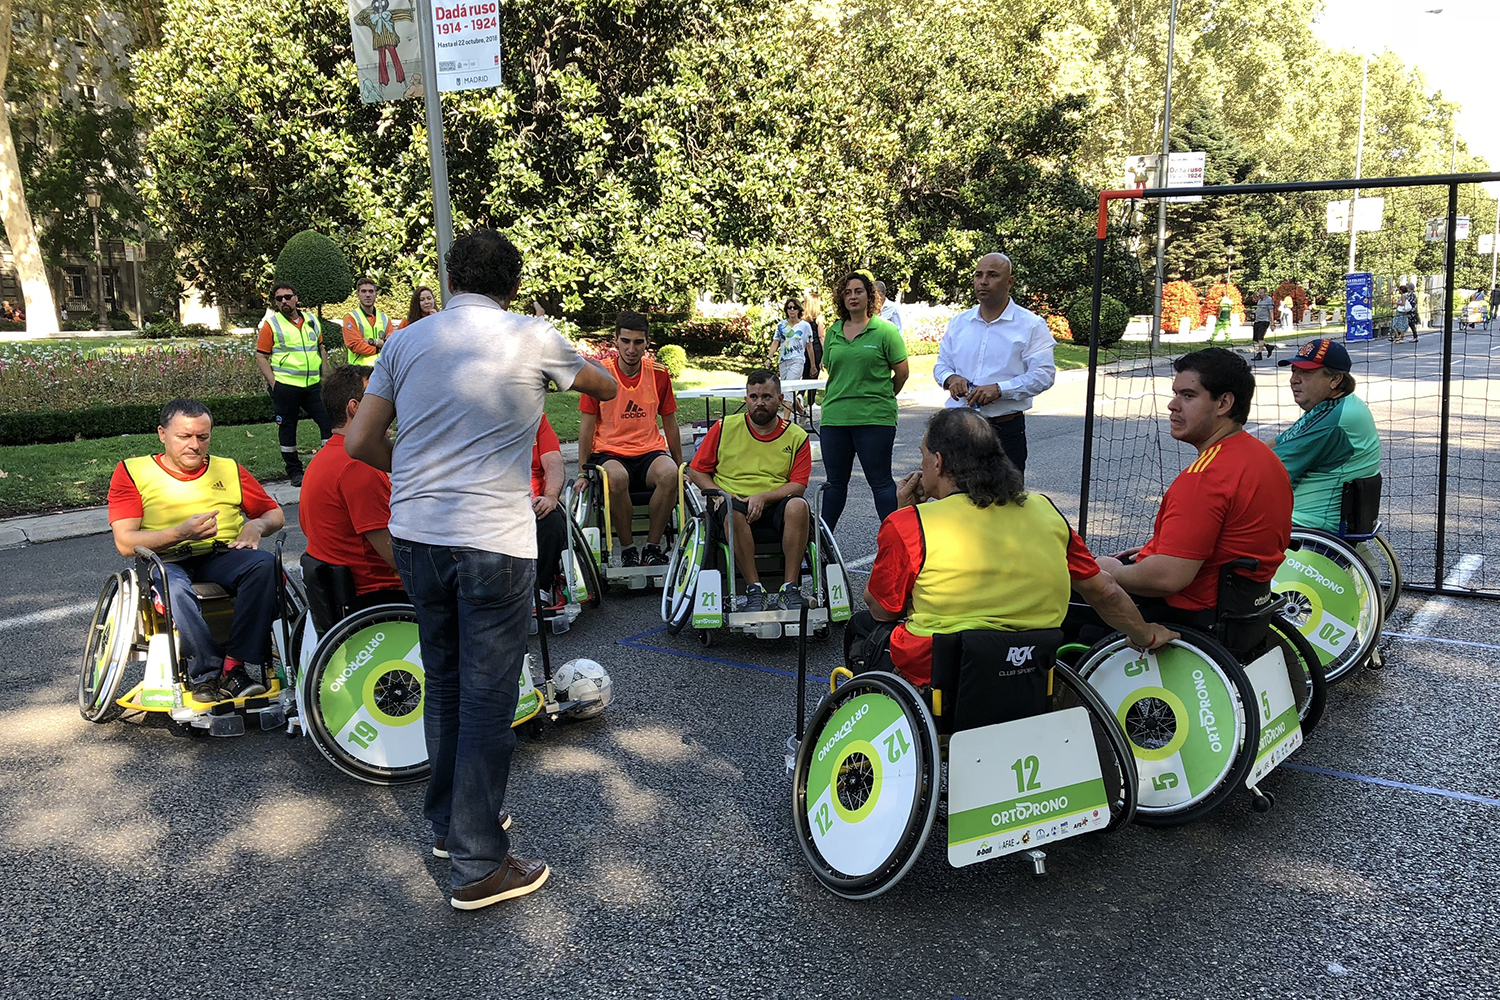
315 266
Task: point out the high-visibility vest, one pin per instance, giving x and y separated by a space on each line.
167 501
369 331
627 424
294 352
748 465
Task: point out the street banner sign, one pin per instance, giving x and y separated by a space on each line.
1359 314
1183 170
1437 230
467 38
387 53
1486 242
1369 215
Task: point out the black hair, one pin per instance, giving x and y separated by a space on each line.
791 304
760 376
183 408
483 262
345 383
973 457
283 284
1222 371
628 320
366 280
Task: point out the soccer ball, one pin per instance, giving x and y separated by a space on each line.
586 682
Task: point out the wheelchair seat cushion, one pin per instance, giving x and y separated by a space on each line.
986 676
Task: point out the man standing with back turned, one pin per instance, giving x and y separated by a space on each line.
997 356
468 394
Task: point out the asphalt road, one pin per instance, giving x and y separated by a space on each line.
140 864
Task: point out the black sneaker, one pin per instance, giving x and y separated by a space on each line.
296 479
652 555
754 599
549 605
206 691
629 556
237 684
791 597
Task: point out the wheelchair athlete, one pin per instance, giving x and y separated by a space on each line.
207 515
1333 442
980 554
547 472
763 463
621 435
345 505
1233 502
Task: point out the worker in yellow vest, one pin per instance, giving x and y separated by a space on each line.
979 553
205 516
289 353
366 328
763 463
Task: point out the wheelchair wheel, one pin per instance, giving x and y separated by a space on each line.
1332 598
681 587
585 569
1305 671
107 649
1386 568
1185 709
363 695
865 792
833 556
1116 761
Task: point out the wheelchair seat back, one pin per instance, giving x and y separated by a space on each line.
985 676
1244 607
1359 509
330 592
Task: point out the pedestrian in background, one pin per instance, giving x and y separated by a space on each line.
888 310
792 349
423 303
866 360
1264 306
289 353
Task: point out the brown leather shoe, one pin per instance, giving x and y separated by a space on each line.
440 844
512 879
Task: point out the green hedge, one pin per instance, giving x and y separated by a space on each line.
1114 317
111 421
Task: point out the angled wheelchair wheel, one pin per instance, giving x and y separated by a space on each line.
1386 568
839 601
584 584
107 649
1304 670
363 696
1332 599
1116 761
865 789
681 587
1186 712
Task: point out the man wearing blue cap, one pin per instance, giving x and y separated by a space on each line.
1333 441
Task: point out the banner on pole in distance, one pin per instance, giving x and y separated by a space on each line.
467 39
387 53
1359 298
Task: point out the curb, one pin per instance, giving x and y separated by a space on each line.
34 529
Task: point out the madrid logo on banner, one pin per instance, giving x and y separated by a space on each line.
387 52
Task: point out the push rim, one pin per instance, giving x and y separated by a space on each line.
111 632
1304 670
1116 762
584 565
682 577
1332 599
1381 560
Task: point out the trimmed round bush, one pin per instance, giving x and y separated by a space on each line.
315 266
673 358
1114 317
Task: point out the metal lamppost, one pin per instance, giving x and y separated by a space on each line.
1162 178
92 197
1359 160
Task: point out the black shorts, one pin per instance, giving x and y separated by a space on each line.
1260 328
768 527
635 467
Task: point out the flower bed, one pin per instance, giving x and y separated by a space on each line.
40 378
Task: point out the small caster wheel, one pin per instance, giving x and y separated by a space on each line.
705 637
1377 660
820 634
1263 802
1038 863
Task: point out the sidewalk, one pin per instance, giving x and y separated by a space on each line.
33 529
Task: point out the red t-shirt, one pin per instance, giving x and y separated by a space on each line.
341 500
545 443
1235 500
706 458
666 402
125 499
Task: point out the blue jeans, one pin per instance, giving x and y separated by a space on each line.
250 576
873 444
472 610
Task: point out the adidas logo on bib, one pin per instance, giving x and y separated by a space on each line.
633 409
218 485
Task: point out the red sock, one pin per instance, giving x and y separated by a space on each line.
230 663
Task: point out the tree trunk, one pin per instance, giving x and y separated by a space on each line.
41 313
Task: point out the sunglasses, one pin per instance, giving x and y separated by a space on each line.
285 298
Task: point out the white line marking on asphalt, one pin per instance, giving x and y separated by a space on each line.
1435 607
861 562
50 615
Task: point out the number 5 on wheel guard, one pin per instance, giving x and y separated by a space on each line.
1019 784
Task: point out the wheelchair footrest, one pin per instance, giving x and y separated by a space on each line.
226 725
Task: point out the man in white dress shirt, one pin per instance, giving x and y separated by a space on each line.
888 311
997 356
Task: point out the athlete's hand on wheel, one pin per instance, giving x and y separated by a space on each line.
199 527
957 386
1156 637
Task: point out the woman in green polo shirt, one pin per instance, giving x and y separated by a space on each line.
866 361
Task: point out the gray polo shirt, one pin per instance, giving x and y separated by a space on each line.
468 385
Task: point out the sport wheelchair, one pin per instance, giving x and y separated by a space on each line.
1216 709
702 586
1341 586
593 534
1013 748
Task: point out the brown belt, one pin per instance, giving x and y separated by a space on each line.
1004 418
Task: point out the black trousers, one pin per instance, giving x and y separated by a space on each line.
551 541
287 401
1013 439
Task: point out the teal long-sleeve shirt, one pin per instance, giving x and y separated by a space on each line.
1329 445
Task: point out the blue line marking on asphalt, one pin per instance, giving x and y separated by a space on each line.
1433 638
1387 783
